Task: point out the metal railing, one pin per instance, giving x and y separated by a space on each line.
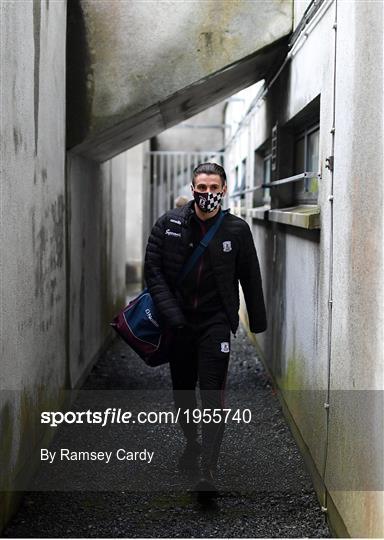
306 176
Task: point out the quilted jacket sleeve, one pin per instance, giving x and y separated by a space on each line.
250 279
164 299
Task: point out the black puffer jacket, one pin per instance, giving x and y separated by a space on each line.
233 258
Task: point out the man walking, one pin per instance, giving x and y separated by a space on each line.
203 310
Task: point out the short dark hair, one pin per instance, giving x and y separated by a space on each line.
209 168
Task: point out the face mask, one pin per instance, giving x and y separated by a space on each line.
207 202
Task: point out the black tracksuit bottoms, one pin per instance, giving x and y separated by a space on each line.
201 355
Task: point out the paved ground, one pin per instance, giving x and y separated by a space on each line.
265 490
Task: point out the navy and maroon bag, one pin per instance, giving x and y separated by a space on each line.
138 323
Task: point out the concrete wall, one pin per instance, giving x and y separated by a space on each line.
33 292
301 269
98 254
63 241
138 67
191 136
138 211
357 367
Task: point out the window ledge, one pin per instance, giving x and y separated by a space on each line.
260 212
306 216
240 212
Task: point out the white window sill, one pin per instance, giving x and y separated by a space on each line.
240 212
260 212
305 216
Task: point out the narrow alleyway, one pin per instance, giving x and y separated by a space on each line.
266 491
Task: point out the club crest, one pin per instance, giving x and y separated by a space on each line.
224 347
227 246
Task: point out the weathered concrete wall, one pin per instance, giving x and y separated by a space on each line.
357 368
192 136
98 251
32 225
149 65
138 211
63 243
302 269
297 267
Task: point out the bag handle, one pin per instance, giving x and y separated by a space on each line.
201 247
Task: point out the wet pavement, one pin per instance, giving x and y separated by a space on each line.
265 490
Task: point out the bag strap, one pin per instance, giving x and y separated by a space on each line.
201 247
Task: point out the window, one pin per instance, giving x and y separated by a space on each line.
262 175
236 180
243 177
306 159
267 164
297 153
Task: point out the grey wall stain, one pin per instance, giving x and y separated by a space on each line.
316 302
82 310
41 247
277 301
57 238
52 289
14 92
79 80
23 325
6 429
17 139
48 248
33 229
44 174
36 37
208 41
186 105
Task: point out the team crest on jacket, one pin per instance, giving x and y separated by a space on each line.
227 246
224 346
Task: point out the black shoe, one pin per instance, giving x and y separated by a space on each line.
205 487
189 459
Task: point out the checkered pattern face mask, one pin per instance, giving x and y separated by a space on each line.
207 202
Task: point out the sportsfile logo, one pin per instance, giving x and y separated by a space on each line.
150 317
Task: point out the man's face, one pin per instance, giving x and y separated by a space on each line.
209 183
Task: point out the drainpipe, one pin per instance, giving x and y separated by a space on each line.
330 165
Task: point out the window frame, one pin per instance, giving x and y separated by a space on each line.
243 179
303 195
262 154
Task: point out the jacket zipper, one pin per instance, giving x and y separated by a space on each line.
198 282
203 229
